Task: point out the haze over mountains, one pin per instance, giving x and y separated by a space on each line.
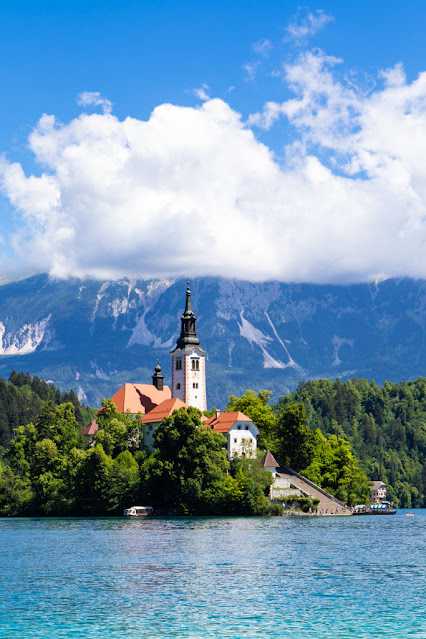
94 336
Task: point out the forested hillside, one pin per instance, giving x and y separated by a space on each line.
386 426
22 398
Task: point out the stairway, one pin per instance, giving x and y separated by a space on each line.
308 488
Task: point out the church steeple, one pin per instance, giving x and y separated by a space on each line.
189 361
188 333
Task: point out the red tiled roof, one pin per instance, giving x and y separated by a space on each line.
225 421
165 409
90 429
270 461
139 398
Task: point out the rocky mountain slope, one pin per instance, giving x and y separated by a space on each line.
93 336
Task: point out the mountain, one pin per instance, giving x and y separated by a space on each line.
94 336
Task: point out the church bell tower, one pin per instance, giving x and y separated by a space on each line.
189 362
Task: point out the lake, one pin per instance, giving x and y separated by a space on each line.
297 577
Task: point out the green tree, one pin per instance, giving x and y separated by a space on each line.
186 461
295 440
256 406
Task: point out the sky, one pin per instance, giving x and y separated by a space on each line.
261 140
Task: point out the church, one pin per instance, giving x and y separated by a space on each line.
188 388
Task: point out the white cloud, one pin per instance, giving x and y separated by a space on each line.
306 24
250 68
94 98
191 191
262 47
202 92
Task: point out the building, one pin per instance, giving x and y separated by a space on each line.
240 432
270 463
189 362
378 491
151 420
142 398
156 401
90 430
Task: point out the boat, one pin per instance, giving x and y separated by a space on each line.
361 509
385 508
409 514
139 511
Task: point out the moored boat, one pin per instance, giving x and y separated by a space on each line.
139 511
384 508
361 509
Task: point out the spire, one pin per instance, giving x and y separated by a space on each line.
188 306
188 333
158 377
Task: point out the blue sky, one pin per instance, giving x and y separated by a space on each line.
141 55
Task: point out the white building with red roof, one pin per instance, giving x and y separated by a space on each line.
240 432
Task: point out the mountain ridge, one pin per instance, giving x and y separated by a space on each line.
95 335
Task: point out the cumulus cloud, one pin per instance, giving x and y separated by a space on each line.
192 191
306 24
94 98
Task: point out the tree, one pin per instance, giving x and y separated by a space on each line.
295 440
117 432
15 492
187 460
255 406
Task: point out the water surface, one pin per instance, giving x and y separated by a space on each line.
334 577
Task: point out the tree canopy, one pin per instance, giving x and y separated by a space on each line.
385 426
50 469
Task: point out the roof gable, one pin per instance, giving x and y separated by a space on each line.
91 429
139 398
270 461
165 409
224 422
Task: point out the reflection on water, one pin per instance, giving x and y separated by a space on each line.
213 577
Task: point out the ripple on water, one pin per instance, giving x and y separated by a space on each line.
213 577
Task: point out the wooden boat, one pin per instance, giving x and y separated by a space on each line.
139 511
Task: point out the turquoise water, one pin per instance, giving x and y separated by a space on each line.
214 577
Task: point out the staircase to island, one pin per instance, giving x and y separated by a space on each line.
303 486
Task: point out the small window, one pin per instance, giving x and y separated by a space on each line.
195 385
247 427
195 364
235 440
239 426
179 364
178 386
